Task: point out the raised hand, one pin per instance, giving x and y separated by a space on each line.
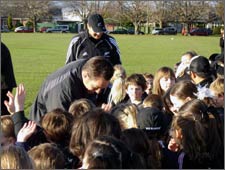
26 131
10 104
20 98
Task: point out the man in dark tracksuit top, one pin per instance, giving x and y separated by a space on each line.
94 42
76 80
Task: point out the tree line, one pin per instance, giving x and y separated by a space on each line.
124 13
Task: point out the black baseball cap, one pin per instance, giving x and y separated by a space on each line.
96 22
150 119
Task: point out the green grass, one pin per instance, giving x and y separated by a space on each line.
36 55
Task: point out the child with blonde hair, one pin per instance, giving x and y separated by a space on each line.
117 92
217 88
14 157
126 113
47 156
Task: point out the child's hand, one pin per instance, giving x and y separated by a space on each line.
173 146
16 103
26 131
10 104
106 107
20 98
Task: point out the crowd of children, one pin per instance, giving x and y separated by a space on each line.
168 120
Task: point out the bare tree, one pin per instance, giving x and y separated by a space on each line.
189 12
8 7
220 10
159 12
84 8
133 11
34 10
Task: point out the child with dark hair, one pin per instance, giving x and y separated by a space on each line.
107 152
200 112
188 138
164 78
57 126
94 123
138 142
153 100
200 71
180 93
135 87
149 82
80 107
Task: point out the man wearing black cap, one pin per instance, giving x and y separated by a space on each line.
200 71
94 42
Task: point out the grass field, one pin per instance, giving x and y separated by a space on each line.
36 55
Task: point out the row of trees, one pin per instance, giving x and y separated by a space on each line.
122 13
